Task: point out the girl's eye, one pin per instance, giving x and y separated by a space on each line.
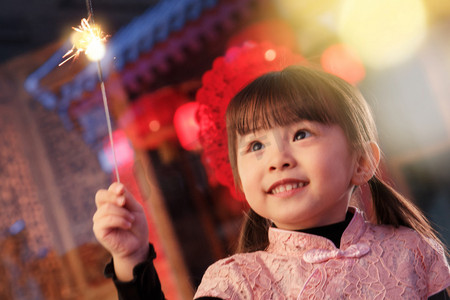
301 134
256 146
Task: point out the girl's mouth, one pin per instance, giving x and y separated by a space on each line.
279 188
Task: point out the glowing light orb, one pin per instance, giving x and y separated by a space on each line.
383 32
154 125
270 55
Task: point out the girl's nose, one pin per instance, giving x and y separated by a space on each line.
281 159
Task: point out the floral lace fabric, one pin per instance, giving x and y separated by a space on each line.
373 262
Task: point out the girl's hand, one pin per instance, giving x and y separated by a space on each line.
121 227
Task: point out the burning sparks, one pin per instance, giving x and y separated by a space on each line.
89 39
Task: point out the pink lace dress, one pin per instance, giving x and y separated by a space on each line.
373 262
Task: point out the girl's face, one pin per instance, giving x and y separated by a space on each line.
298 176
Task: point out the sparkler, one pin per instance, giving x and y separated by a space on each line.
89 38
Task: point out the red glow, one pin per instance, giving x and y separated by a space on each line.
148 120
276 32
343 62
123 150
186 126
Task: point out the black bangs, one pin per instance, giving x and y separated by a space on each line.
280 99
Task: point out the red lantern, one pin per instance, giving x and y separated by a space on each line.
148 120
229 74
186 126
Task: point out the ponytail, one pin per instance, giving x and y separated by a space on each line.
254 233
392 208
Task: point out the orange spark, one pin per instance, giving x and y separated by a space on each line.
86 38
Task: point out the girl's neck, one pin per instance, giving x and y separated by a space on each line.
333 232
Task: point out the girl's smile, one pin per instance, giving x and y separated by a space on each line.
286 187
298 176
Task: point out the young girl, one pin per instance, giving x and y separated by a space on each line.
301 142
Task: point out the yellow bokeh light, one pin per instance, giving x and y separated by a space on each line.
299 11
383 32
313 21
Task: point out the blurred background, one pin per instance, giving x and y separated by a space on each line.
54 147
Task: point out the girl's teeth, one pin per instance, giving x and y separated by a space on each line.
286 187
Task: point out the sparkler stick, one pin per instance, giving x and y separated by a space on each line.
91 42
108 119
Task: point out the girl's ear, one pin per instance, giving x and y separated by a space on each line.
367 164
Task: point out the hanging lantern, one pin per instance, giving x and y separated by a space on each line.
148 120
229 74
186 126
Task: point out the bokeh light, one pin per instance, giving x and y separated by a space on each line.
342 61
313 21
383 32
270 55
187 126
154 125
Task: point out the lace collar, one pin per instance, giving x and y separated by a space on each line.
297 243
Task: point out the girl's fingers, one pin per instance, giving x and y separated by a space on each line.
105 221
131 203
124 198
117 188
105 225
107 196
113 210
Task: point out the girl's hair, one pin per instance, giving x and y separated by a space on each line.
305 93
